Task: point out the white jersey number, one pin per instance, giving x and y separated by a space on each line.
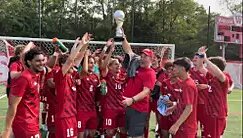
70 132
118 86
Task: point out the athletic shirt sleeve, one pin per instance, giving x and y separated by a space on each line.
15 67
188 95
19 86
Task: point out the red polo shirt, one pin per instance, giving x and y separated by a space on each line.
145 77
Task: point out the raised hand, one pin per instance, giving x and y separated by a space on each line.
109 42
86 38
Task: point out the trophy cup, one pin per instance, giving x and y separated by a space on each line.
119 19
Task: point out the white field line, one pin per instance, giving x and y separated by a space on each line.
1 97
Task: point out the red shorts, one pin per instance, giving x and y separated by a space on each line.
180 134
201 114
50 121
153 106
165 123
66 127
22 132
113 119
214 127
87 120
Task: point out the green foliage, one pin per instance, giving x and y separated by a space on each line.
182 22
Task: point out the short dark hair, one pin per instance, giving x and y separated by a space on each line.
219 62
168 65
30 55
62 59
184 62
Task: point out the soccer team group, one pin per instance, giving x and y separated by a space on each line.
84 93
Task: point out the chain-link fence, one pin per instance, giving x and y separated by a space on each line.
47 46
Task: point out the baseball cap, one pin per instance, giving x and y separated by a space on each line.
148 52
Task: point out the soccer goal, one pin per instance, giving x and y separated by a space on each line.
7 44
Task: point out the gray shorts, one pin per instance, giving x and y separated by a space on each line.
135 122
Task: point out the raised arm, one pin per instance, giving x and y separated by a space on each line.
127 47
74 52
85 69
104 65
80 55
212 68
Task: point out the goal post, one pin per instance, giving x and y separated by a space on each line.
47 46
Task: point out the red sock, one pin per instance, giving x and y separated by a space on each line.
51 135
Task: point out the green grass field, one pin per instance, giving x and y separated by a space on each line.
234 121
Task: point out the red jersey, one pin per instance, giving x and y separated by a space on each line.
65 94
217 97
188 96
16 66
27 87
115 88
50 93
229 78
145 77
199 78
87 92
173 89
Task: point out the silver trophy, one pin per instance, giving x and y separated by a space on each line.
119 19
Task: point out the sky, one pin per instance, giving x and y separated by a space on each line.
217 6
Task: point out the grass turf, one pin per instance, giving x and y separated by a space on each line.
234 120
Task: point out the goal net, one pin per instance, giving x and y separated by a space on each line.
47 46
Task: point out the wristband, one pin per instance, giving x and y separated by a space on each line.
133 100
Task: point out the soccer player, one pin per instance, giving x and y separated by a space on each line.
51 101
198 74
24 100
65 116
216 106
169 87
112 107
186 124
16 65
86 104
141 80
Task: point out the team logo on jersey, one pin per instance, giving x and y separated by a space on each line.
35 83
87 79
74 88
178 90
95 80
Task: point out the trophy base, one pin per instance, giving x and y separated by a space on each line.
118 39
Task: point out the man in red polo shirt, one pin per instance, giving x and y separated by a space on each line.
186 124
136 95
24 100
